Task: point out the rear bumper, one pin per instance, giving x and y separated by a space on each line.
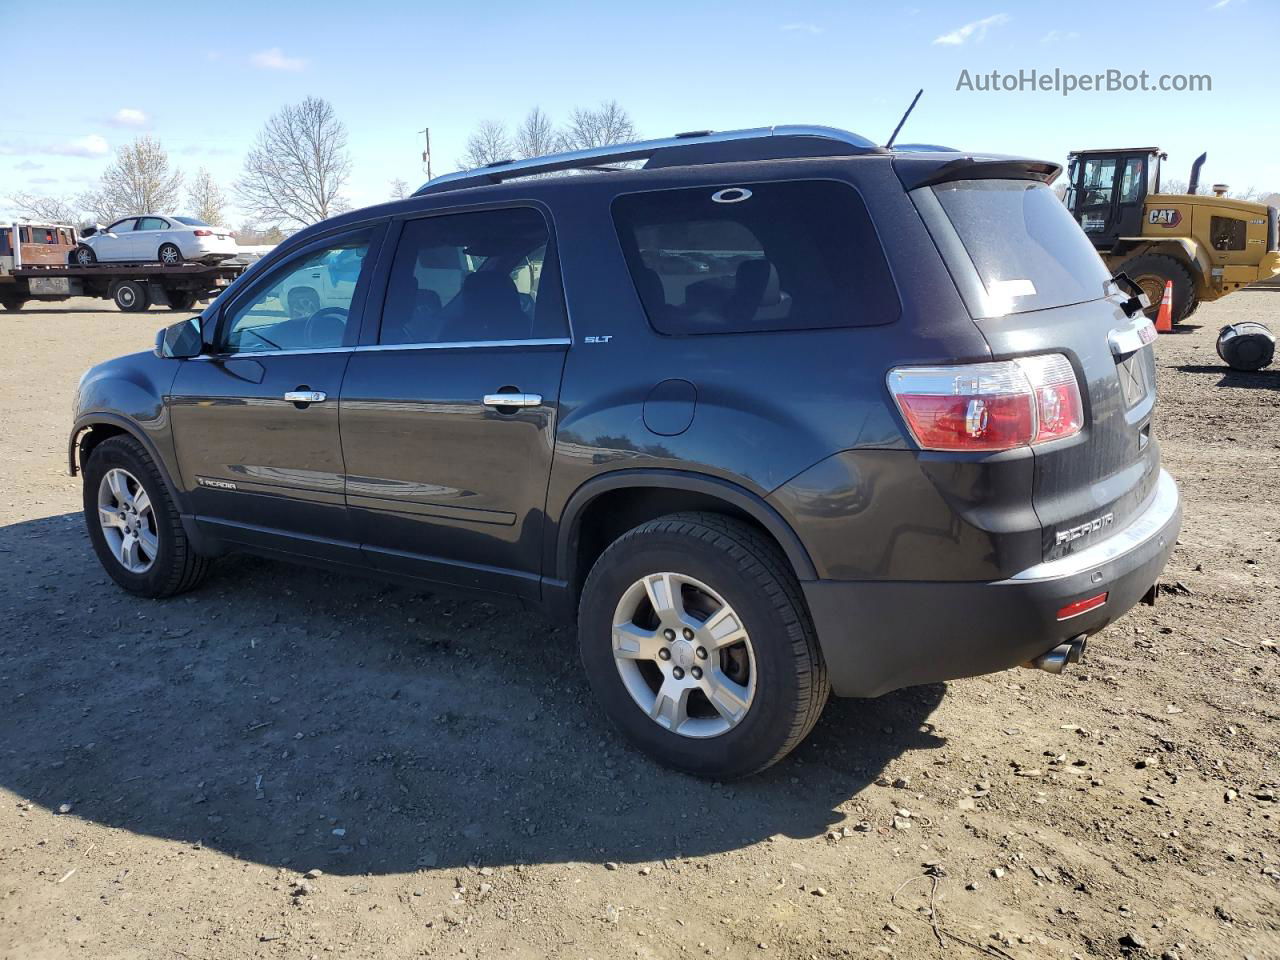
878 636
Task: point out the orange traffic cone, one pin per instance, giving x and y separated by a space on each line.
1164 319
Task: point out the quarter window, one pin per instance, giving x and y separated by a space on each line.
755 257
305 305
473 277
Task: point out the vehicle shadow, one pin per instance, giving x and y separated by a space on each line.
1268 379
305 719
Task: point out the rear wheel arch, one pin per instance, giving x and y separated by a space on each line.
603 509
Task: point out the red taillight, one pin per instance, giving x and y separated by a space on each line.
989 406
203 233
1082 606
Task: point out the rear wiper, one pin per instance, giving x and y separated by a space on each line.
1137 303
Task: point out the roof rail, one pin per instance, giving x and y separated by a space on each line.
622 152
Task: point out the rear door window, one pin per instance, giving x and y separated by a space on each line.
789 255
481 277
1028 251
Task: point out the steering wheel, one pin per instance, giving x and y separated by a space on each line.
326 327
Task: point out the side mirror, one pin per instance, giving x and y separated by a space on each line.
180 341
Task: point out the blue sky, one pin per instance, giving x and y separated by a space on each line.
203 77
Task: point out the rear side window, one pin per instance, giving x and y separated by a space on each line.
793 255
1227 233
1028 251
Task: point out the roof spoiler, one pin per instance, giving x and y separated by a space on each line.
926 170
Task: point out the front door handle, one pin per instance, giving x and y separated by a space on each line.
513 399
305 396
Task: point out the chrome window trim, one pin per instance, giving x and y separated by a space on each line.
375 347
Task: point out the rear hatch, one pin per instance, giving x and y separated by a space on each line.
1034 284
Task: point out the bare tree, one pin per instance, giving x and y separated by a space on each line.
140 181
399 189
488 144
298 166
251 234
206 199
49 209
536 136
607 124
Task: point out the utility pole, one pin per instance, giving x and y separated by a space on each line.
426 154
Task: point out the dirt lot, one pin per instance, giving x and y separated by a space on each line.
169 771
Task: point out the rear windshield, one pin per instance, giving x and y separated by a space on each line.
743 258
1029 252
191 221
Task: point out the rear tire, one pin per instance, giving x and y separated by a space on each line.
175 567
13 303
131 296
181 299
169 255
781 677
1150 271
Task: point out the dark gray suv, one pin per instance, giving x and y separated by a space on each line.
773 414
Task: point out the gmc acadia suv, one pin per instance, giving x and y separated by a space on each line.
778 413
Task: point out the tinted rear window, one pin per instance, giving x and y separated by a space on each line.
191 221
1028 251
755 257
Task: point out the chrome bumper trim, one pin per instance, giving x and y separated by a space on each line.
1147 525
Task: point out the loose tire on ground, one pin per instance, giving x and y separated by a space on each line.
131 296
1150 271
752 576
176 567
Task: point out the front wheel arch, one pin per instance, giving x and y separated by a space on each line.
91 429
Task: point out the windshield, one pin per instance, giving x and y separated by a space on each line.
191 221
1029 252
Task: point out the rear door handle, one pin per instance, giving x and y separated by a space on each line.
305 396
513 399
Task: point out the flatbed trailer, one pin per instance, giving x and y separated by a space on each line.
132 286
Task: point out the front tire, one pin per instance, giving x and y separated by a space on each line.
169 255
84 256
131 296
133 523
698 645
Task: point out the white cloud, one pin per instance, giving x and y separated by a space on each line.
976 31
90 146
28 165
274 59
1220 4
130 117
1059 36
810 28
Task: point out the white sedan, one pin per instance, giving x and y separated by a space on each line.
169 240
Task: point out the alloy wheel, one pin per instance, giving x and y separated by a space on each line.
128 520
684 655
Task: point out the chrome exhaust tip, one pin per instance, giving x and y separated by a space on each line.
1056 660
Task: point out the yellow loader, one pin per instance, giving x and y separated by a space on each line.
1208 245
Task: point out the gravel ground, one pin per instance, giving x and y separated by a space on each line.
288 763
